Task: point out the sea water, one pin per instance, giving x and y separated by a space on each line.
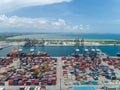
69 36
63 50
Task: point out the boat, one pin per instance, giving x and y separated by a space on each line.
39 54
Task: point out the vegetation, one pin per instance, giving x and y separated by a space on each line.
109 42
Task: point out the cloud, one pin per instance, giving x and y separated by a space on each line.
81 28
10 5
59 23
38 24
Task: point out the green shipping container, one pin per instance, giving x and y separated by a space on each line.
82 83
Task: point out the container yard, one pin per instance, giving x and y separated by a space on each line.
34 71
28 70
38 71
90 71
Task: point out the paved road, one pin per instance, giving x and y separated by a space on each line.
60 79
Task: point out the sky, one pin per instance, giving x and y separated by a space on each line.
77 16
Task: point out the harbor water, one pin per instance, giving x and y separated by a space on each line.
63 50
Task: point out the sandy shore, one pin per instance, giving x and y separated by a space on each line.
54 43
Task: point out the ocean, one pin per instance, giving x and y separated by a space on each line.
69 36
63 50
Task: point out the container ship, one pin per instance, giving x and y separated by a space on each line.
20 53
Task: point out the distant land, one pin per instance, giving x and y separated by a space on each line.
109 36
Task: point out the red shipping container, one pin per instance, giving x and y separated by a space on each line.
32 82
10 82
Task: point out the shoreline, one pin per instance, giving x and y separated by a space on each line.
59 42
7 44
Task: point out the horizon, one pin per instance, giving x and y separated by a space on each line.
56 33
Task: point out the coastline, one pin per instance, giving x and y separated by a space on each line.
56 43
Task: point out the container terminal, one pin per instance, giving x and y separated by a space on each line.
91 70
